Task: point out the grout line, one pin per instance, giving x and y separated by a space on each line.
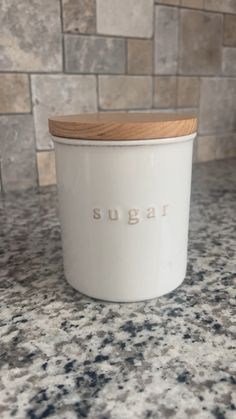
43 150
198 118
62 38
1 181
192 109
222 45
126 57
97 93
196 9
178 60
30 94
104 35
14 113
153 54
179 43
96 17
70 73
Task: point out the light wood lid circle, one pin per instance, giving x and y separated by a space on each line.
122 126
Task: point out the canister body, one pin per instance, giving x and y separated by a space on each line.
124 210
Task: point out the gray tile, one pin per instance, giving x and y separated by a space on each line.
165 90
206 148
200 42
230 30
93 54
226 146
79 16
140 54
17 152
227 6
60 94
31 36
125 17
229 61
216 147
188 92
14 93
125 92
166 39
217 105
194 157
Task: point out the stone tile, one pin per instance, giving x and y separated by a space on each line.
60 94
226 146
93 54
46 168
31 36
217 105
125 17
166 40
195 4
227 6
206 148
165 89
168 2
195 150
230 30
188 91
229 61
140 52
79 16
200 42
216 147
14 93
17 152
125 92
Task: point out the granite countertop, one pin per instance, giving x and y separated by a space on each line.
64 355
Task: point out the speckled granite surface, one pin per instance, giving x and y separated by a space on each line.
66 356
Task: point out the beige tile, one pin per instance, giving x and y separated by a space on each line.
195 4
79 16
168 2
57 95
217 105
125 92
206 148
46 168
226 146
188 91
229 61
30 36
166 40
227 6
94 54
14 93
125 17
165 89
200 42
17 151
140 52
230 30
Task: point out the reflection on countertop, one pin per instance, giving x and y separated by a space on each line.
64 355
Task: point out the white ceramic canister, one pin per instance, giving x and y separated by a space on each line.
124 184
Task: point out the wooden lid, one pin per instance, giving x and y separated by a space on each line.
122 126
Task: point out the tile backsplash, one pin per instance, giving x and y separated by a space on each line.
73 56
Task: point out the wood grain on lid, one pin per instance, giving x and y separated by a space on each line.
122 126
